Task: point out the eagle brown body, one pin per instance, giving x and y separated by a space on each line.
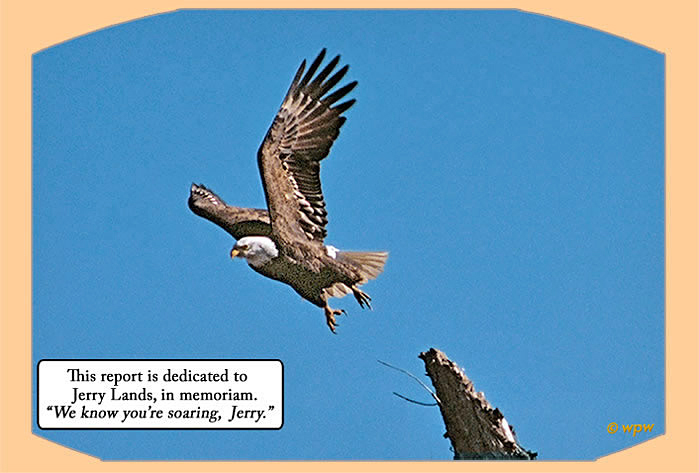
286 242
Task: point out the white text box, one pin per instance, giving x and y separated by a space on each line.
160 394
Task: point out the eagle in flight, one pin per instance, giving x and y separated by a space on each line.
285 242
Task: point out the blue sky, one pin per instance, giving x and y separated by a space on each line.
512 164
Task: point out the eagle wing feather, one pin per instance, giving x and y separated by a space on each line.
238 221
304 129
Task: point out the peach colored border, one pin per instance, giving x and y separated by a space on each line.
670 27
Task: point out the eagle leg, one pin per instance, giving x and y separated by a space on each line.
362 297
330 316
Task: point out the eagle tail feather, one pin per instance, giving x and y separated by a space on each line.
369 263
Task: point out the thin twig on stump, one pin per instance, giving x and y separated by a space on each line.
476 430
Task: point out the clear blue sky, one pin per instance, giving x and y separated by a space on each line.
512 164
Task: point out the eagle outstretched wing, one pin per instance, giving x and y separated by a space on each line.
238 221
307 124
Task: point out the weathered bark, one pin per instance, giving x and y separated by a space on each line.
476 430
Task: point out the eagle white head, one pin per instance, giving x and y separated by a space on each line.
257 250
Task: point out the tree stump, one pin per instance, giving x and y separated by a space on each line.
477 431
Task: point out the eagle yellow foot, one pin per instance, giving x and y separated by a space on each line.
362 297
330 317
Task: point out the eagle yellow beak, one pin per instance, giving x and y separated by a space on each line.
234 253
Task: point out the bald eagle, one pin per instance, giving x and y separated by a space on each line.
286 242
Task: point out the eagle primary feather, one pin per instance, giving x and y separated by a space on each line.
286 242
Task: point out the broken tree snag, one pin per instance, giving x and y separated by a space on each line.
476 430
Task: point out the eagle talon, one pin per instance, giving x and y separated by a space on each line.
330 317
362 298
